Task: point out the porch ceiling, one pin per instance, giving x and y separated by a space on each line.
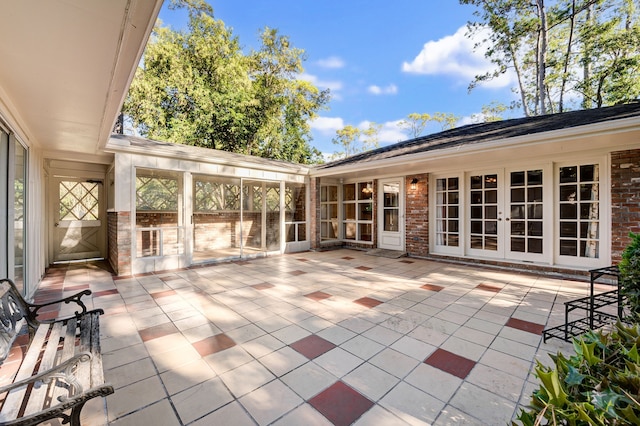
66 66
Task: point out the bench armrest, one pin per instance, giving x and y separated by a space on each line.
63 371
75 298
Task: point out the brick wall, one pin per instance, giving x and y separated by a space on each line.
119 234
417 215
625 199
314 208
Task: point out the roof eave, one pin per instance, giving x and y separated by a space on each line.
614 126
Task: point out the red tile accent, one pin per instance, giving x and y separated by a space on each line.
144 274
432 287
262 286
105 293
122 277
303 259
529 327
77 288
296 273
165 293
241 262
213 344
48 315
363 268
347 258
157 331
368 302
451 363
487 287
407 261
340 404
318 296
312 346
114 310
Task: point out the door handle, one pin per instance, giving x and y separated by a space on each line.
57 224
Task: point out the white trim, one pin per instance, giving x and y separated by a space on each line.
396 240
611 127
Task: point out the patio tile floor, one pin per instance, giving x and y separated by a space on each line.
336 337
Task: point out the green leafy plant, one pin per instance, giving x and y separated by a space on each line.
598 385
630 277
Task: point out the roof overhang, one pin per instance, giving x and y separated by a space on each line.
67 66
414 163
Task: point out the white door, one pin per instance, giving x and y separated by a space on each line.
391 214
507 217
78 226
485 213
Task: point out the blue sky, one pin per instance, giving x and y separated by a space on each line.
382 60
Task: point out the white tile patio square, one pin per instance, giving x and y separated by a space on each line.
282 361
433 381
270 402
309 380
338 362
200 400
370 381
246 378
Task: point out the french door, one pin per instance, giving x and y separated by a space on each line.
507 216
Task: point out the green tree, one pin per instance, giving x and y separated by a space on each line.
416 123
352 140
562 52
489 113
198 87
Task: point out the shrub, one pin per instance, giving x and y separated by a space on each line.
630 277
599 385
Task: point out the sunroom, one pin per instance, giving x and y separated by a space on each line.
182 206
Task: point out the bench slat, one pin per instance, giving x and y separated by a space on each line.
68 351
38 395
13 401
97 372
83 373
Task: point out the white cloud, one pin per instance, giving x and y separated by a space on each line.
333 85
331 62
327 125
455 55
391 89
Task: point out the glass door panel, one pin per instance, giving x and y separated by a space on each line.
485 215
526 214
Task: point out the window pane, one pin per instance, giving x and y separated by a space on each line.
349 191
365 232
568 174
517 179
453 183
391 220
568 248
517 195
350 211
534 245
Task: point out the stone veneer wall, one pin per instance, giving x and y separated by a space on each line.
625 199
417 215
119 235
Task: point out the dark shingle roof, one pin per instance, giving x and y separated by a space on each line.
498 130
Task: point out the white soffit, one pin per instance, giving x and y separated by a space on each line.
66 67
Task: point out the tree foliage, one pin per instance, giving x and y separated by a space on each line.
416 123
352 140
198 87
563 53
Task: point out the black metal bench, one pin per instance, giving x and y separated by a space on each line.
61 369
592 305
